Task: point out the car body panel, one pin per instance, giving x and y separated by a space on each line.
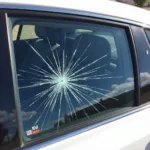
98 7
128 131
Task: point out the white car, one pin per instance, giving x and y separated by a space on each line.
74 75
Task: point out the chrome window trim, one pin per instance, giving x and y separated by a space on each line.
58 139
70 11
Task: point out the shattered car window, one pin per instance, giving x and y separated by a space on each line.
66 78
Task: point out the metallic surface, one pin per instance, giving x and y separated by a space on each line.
69 11
95 126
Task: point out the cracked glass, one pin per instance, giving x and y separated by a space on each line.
70 73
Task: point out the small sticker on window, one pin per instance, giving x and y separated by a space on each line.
35 131
29 132
35 127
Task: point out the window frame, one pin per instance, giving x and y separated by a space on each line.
147 41
19 32
84 126
5 59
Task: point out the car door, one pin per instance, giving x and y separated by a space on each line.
72 90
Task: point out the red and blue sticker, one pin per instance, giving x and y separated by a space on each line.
33 131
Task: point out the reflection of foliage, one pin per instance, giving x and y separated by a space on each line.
91 111
141 3
7 143
3 133
66 120
60 123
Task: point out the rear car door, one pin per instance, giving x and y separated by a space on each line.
74 82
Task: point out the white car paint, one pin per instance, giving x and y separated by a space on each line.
128 133
105 7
